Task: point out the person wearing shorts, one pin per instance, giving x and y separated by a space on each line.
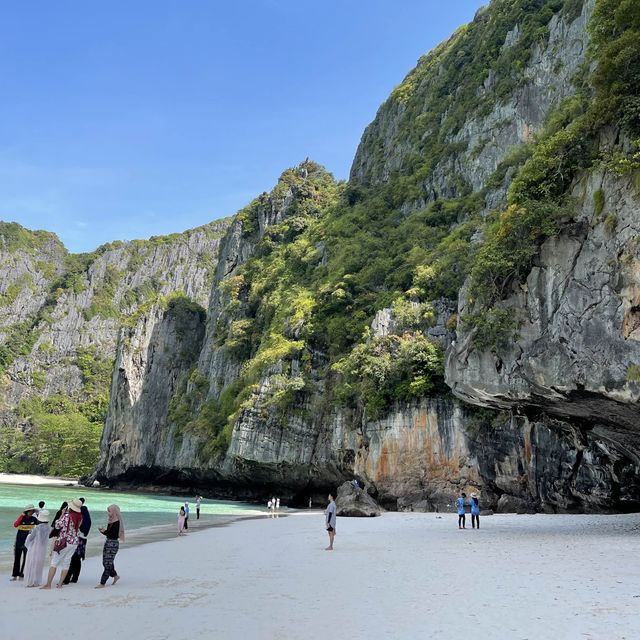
65 545
331 521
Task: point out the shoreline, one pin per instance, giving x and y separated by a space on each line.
29 480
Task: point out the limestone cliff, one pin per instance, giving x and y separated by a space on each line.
489 223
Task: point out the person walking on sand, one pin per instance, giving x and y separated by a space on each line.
181 518
186 517
37 542
76 559
66 542
114 534
330 513
475 510
24 524
198 502
461 510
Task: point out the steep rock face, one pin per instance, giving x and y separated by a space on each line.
576 351
483 140
577 347
89 299
565 441
152 358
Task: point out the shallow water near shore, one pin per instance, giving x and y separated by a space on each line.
148 517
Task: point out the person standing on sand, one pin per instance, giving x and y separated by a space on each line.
40 506
76 559
198 501
475 510
114 533
186 517
461 510
330 512
67 541
24 524
181 518
37 542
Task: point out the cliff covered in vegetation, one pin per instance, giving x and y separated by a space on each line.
460 313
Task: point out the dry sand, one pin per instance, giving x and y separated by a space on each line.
21 478
398 576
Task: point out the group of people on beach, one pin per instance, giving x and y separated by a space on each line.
69 530
273 506
183 515
474 505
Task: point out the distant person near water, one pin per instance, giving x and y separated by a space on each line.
277 504
76 559
198 502
114 533
330 512
461 510
37 542
40 506
181 518
24 524
475 511
186 518
66 542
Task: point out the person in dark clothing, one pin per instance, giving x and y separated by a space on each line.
79 555
114 533
24 524
56 532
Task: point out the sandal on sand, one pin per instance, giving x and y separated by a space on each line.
100 586
115 579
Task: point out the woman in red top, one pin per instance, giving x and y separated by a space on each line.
66 543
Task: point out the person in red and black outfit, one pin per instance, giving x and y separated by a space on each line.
25 522
76 559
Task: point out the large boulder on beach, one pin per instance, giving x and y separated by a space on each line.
356 503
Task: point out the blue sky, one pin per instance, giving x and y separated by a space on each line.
122 120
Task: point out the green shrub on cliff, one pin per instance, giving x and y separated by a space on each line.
388 369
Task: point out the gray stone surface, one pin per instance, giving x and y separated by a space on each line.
355 503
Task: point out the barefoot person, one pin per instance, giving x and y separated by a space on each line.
331 521
114 533
65 545
37 542
24 524
76 559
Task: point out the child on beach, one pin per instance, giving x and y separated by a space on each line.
475 510
181 518
460 505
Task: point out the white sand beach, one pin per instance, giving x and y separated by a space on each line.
26 479
409 576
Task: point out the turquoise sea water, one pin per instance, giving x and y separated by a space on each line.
146 516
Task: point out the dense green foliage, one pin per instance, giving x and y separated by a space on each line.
59 440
